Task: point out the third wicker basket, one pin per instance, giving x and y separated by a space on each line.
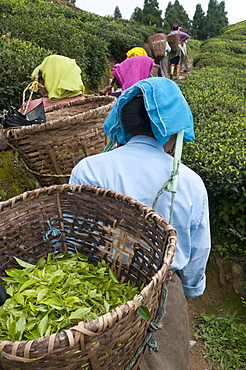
73 130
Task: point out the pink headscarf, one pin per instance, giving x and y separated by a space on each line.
132 70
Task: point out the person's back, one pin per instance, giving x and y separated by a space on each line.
139 169
60 81
145 118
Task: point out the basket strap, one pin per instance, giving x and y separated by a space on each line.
109 146
172 182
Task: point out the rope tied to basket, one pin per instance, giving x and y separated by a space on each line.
53 232
33 86
153 327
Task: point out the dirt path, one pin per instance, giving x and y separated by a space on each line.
196 349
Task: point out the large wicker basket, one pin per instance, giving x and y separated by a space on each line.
73 131
137 242
173 41
157 44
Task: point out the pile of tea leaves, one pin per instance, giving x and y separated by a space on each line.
57 293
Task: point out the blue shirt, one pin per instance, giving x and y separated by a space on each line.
139 169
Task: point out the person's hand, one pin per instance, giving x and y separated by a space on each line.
107 90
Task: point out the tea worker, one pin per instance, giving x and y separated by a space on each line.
145 118
135 52
176 55
60 81
130 71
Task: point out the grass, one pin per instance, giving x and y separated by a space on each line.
224 340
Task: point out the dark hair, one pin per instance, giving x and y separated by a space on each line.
135 118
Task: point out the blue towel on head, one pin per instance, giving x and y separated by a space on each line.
168 111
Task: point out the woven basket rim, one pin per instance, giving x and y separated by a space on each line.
110 318
65 121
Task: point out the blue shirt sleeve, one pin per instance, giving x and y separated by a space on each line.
193 274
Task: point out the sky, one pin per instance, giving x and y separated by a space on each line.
236 9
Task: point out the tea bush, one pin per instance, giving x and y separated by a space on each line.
216 94
231 60
217 100
65 39
234 30
17 61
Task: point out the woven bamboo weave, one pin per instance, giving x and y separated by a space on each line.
173 41
157 44
137 242
73 130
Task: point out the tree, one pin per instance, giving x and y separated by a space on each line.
170 18
215 18
152 14
176 14
117 13
137 15
223 20
169 6
198 24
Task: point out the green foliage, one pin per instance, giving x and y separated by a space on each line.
235 29
137 15
219 58
117 13
193 47
216 18
151 14
224 340
216 98
228 220
175 13
17 61
68 40
56 294
198 24
119 36
216 95
14 180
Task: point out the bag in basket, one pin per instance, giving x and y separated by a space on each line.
13 118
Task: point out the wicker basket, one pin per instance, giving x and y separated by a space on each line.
173 41
73 131
146 47
157 44
136 241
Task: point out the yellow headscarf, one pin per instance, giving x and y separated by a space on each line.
62 77
135 52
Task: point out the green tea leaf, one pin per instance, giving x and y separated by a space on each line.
42 326
106 305
15 273
143 311
41 263
41 294
27 284
113 276
80 313
19 298
24 264
21 323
